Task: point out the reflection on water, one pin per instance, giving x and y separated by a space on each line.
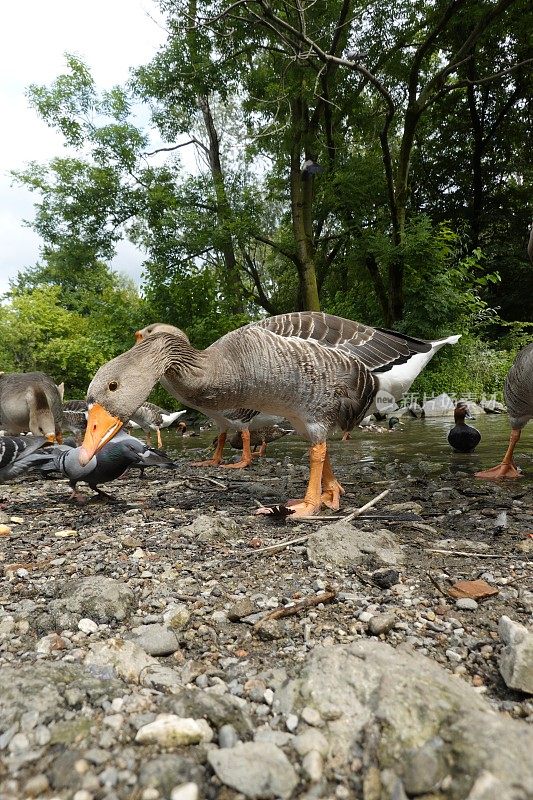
417 440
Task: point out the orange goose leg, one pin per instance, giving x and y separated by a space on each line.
507 468
331 488
346 436
246 458
159 439
312 501
217 455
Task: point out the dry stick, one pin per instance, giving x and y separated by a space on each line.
348 517
461 553
302 605
204 479
299 539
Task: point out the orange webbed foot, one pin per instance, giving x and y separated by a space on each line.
237 464
331 495
501 471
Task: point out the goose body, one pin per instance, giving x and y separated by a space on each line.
75 417
150 417
518 394
30 401
316 370
241 420
462 437
109 463
20 453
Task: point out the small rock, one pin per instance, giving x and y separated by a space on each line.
87 625
310 740
382 623
466 604
177 616
313 766
312 717
36 785
257 769
227 736
516 660
187 791
269 630
170 730
156 640
291 722
242 608
385 578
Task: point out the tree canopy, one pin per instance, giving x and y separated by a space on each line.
365 157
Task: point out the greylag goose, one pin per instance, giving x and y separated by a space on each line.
518 394
150 417
108 464
244 420
462 437
30 401
259 438
317 370
75 417
19 453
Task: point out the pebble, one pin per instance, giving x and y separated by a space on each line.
311 716
382 623
466 604
291 723
313 766
186 791
169 730
87 625
227 736
36 785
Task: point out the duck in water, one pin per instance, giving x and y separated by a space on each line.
462 437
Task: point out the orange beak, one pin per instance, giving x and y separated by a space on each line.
101 427
138 337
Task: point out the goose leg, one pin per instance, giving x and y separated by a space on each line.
507 468
159 440
346 436
148 438
217 455
246 458
312 501
262 450
331 488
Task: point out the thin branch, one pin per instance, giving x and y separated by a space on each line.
177 147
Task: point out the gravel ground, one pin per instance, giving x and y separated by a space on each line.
109 610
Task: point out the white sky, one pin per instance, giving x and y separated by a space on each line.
110 36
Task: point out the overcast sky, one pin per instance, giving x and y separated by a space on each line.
110 36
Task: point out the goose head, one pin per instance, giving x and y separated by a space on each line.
157 327
117 390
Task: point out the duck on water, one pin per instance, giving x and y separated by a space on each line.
318 371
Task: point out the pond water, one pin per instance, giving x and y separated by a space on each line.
416 440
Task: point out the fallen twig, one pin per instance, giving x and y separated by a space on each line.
307 602
346 518
281 545
461 553
205 479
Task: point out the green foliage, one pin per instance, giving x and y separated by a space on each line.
37 331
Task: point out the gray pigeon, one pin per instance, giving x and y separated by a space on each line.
20 453
109 463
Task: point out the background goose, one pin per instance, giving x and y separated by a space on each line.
30 401
259 438
19 453
462 437
150 417
244 420
75 417
109 463
317 370
518 394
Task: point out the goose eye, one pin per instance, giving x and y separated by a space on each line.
113 386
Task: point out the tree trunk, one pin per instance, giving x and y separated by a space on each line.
302 215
